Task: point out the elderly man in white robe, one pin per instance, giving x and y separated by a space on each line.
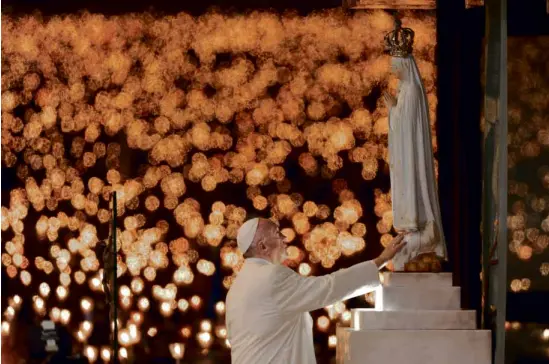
268 304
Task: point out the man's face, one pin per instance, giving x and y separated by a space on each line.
276 243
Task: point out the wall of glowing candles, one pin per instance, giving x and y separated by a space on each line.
196 123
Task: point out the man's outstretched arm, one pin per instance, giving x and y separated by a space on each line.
295 293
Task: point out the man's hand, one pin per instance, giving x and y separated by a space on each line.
390 100
390 251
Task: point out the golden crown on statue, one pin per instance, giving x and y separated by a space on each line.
399 42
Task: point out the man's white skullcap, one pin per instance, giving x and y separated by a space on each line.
246 234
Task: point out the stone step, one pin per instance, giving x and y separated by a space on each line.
370 319
413 346
396 298
405 279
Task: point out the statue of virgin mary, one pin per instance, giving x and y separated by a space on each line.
414 193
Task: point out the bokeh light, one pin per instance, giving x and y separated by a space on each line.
528 161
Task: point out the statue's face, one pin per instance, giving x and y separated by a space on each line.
395 68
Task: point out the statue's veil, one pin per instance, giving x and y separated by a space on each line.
422 149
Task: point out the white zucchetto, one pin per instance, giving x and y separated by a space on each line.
246 234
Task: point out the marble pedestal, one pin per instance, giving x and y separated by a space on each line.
416 320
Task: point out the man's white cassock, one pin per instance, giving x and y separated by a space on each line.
267 309
413 183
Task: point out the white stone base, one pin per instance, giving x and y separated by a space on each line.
417 320
396 298
416 279
413 346
371 319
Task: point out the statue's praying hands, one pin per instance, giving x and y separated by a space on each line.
390 100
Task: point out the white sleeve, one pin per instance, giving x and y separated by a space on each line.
295 293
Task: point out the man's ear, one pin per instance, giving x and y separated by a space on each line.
261 245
